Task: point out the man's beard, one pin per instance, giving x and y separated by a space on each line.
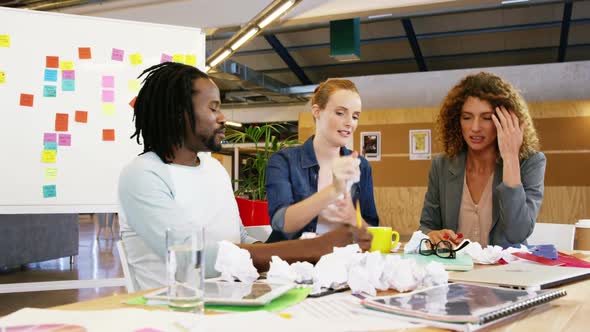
212 145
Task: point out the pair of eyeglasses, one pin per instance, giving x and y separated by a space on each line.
442 249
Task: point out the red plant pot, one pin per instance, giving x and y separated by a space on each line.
253 213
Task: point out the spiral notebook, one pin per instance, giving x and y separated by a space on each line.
462 304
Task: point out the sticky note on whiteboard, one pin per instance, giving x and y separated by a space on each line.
165 58
108 134
133 85
117 54
178 58
52 61
191 60
84 53
108 108
49 191
135 59
108 81
26 99
50 75
108 96
49 91
61 122
4 40
50 173
49 156
65 140
66 65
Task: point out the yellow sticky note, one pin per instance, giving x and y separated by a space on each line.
133 85
178 58
2 77
108 108
50 173
66 65
4 40
49 156
135 59
191 60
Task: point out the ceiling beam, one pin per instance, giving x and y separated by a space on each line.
565 29
456 33
429 58
411 35
287 58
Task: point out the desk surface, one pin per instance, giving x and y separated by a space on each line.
570 313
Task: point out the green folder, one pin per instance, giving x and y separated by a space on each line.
460 263
282 302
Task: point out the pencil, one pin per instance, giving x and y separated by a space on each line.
359 220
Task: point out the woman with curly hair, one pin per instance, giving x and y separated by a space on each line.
488 184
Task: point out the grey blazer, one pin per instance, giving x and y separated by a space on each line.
514 210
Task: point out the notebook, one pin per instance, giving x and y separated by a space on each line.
462 306
522 275
461 263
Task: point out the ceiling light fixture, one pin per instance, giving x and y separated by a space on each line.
508 2
219 58
244 38
250 30
275 14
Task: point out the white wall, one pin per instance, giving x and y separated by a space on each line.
543 82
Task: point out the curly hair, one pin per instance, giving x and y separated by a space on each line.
497 92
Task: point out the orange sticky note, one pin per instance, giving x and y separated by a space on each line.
84 53
108 134
26 99
132 102
52 61
81 116
61 122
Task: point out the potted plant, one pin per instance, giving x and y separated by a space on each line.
251 192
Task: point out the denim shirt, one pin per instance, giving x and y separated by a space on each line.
292 176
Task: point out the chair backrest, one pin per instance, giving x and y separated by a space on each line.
560 235
260 233
123 257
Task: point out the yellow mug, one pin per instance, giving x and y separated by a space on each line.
382 239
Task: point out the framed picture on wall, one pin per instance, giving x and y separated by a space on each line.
420 144
371 145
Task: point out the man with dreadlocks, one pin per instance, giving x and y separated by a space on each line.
174 182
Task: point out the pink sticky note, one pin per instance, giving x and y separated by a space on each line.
117 54
68 74
108 96
166 58
108 81
49 137
65 140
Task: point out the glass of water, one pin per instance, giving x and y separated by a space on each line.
185 272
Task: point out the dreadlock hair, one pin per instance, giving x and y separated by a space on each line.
161 105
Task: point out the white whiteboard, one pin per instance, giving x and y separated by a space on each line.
88 170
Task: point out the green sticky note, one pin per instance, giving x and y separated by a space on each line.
49 91
50 146
282 302
68 85
49 191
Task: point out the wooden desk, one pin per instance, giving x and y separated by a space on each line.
570 313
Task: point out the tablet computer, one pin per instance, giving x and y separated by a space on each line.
234 293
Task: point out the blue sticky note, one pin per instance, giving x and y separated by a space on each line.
49 91
50 146
68 85
51 75
49 191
